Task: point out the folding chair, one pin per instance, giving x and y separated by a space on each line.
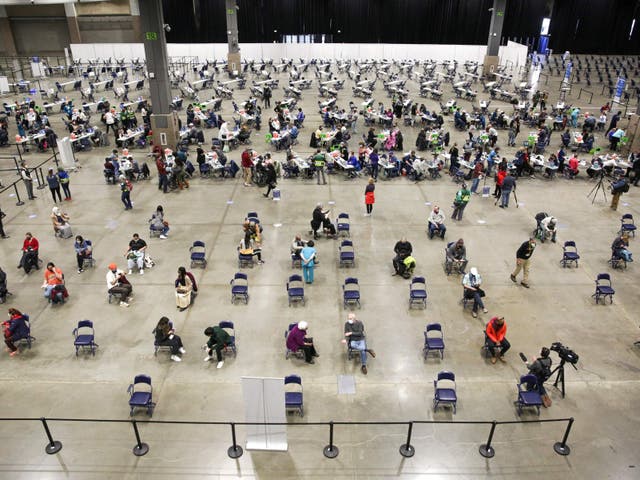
240 287
418 292
84 337
347 254
141 394
351 292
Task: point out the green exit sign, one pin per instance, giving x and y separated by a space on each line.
500 14
230 11
151 35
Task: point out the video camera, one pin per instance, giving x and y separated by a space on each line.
565 353
620 186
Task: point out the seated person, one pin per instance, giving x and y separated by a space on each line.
436 223
566 138
15 329
495 337
297 340
552 165
135 254
83 250
620 248
109 169
471 283
30 248
117 284
59 219
158 222
595 168
541 368
457 256
52 276
355 338
402 249
548 226
296 247
573 165
183 288
218 338
248 246
165 336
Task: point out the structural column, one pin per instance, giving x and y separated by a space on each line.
233 57
72 23
164 122
6 34
136 24
491 59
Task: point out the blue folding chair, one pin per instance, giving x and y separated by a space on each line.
446 394
198 254
603 288
344 224
528 395
240 287
295 289
351 292
347 254
84 337
293 400
88 261
433 340
627 225
230 346
569 254
418 292
141 394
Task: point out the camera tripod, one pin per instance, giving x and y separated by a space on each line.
560 377
599 186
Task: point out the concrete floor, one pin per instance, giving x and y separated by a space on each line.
50 381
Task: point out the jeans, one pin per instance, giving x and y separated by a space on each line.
47 290
474 184
477 299
361 346
66 190
307 273
505 198
163 182
457 211
491 345
374 170
320 171
126 199
441 229
55 191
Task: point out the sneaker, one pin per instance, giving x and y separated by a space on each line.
80 270
142 271
14 353
474 314
513 278
364 369
501 358
367 214
260 262
220 364
311 362
207 358
163 237
124 304
484 310
130 272
372 353
176 358
494 360
182 350
525 285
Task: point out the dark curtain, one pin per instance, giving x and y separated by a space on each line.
523 19
195 21
595 26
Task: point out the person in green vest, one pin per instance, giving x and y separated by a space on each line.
319 161
218 338
460 202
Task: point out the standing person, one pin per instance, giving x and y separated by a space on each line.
318 162
163 179
117 284
54 185
369 196
247 163
502 172
28 181
495 337
165 336
374 160
523 256
110 122
266 96
508 184
355 338
460 202
125 192
83 250
471 283
64 182
271 178
541 368
308 257
17 329
298 340
218 338
2 233
476 175
617 189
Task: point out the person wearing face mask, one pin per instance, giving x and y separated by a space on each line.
117 284
523 256
16 328
436 223
355 339
52 276
471 283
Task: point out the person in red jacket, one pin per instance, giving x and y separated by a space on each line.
30 248
247 164
495 337
502 172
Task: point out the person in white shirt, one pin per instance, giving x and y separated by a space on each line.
549 228
436 223
471 283
110 121
602 121
118 284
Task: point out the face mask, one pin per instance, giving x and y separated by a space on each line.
350 321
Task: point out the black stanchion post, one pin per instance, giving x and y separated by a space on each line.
331 451
140 448
486 450
19 202
54 446
41 180
235 450
407 450
55 156
561 448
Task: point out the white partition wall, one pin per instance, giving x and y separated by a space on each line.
511 54
264 402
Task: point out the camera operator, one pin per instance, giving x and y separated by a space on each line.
541 368
617 189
